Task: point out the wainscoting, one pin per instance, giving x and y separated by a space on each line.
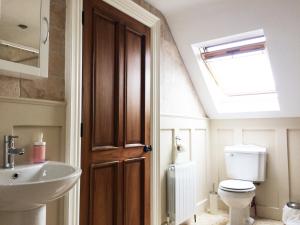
194 133
24 118
281 137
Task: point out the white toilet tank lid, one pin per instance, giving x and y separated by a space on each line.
252 149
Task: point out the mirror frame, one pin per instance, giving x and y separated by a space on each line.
12 69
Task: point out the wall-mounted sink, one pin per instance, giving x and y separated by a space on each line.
24 191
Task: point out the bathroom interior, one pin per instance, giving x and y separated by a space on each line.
223 82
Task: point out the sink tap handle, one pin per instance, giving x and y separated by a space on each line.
11 137
11 140
10 151
8 138
16 151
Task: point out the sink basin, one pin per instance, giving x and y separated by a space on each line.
32 186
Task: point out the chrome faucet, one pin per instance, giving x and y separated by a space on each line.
10 151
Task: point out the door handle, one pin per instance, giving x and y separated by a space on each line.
147 148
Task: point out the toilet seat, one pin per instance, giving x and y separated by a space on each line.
236 186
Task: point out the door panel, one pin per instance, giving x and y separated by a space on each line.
134 177
104 193
115 183
104 82
135 56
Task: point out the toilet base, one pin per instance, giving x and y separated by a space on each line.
238 216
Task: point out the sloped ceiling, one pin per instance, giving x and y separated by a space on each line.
173 6
194 21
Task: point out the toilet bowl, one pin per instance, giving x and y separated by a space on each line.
237 195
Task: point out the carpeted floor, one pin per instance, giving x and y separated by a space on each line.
222 219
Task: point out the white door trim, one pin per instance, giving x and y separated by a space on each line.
73 86
73 99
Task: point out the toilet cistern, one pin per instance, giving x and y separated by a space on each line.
9 151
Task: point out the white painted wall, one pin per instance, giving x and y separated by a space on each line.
194 133
280 20
281 137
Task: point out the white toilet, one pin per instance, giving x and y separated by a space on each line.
245 164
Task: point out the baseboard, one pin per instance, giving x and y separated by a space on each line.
201 206
269 212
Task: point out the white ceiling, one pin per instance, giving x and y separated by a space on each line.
172 6
194 21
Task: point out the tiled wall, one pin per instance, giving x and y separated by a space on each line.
51 88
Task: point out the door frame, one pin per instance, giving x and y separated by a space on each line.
73 87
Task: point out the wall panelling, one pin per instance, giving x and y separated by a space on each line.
281 138
194 135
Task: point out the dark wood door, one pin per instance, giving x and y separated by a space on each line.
115 184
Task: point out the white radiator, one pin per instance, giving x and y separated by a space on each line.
181 185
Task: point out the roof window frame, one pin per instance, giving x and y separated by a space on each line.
206 54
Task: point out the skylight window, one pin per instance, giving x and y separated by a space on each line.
238 73
241 67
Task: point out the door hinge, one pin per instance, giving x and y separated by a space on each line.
81 130
82 17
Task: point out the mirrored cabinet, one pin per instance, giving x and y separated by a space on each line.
24 38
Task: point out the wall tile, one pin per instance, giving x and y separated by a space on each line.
9 86
57 14
56 63
51 88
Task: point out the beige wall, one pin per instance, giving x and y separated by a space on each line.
178 97
39 116
52 87
177 93
194 134
36 116
181 114
281 137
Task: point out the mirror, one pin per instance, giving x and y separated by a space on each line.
24 34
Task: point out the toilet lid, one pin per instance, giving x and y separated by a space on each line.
237 185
